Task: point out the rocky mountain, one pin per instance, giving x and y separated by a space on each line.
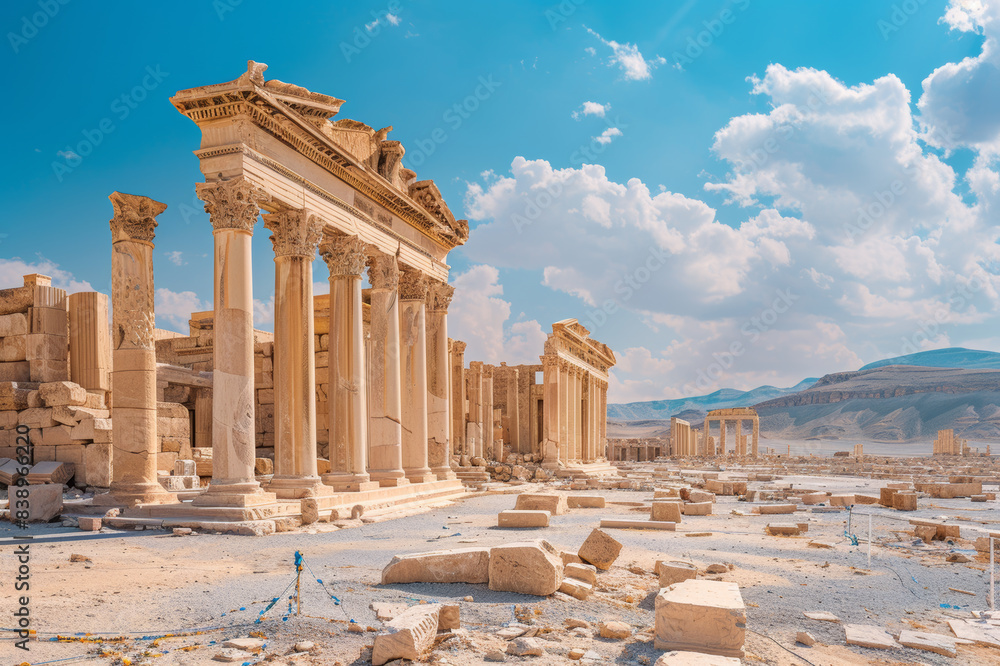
952 357
693 406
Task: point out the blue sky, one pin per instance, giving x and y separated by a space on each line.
718 156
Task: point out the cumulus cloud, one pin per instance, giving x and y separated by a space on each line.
263 313
607 135
628 58
13 270
173 309
479 316
176 257
591 109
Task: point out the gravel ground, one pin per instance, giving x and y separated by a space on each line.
150 583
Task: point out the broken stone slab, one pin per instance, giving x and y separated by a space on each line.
699 496
822 616
585 502
50 471
822 544
600 549
841 500
409 635
461 565
978 631
626 524
769 509
555 504
614 629
577 588
585 572
662 511
783 529
675 572
684 658
869 636
45 502
525 647
904 501
531 567
89 523
805 638
232 655
386 611
522 518
922 640
10 472
697 509
248 644
449 618
701 616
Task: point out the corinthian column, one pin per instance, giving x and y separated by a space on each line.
233 207
346 256
133 402
295 235
439 440
384 410
413 287
551 421
458 443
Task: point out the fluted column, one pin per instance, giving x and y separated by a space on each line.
574 413
438 371
346 257
474 391
486 449
458 441
133 406
565 430
550 411
233 207
385 444
413 287
722 436
295 235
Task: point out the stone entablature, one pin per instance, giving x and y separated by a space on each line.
732 416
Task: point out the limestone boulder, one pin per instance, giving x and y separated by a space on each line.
600 549
55 394
461 565
555 504
701 616
666 511
409 635
45 502
584 572
522 518
675 572
530 567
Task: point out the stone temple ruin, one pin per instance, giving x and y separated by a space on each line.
358 397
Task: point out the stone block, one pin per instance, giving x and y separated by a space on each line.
526 568
626 524
16 371
577 588
57 435
449 618
922 640
50 471
904 501
55 394
44 347
13 348
52 321
462 565
585 572
666 511
518 518
771 509
263 466
701 616
700 496
697 509
48 370
10 472
675 572
869 636
409 635
555 504
97 465
814 498
14 395
783 529
45 502
841 500
600 549
885 496
13 324
585 502
684 658
37 417
89 523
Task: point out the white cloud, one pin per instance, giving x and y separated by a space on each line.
478 316
263 313
68 155
392 18
634 66
173 309
176 257
591 50
13 270
608 134
591 109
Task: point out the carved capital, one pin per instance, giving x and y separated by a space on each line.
412 285
294 233
232 204
135 217
439 296
383 271
345 256
458 347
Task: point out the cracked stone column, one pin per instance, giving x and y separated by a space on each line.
346 257
385 444
413 286
133 401
295 235
439 436
233 207
458 442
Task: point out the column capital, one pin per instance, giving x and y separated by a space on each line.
233 203
294 233
439 296
383 270
345 256
134 218
413 285
457 346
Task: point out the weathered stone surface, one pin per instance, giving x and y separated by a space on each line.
904 501
449 617
805 638
869 636
522 518
409 635
841 500
922 640
674 572
769 509
614 629
555 504
533 567
585 502
783 529
697 509
701 616
629 524
584 572
822 616
681 658
665 511
246 643
89 523
600 550
576 588
55 394
50 471
462 565
44 502
525 647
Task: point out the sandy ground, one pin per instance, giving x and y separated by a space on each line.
144 584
